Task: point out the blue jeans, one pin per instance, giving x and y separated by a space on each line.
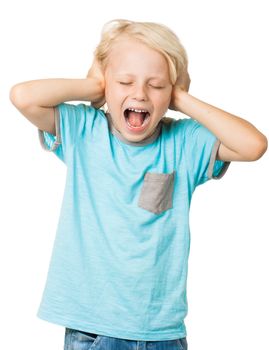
78 340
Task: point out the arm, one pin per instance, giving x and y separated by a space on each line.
35 99
240 140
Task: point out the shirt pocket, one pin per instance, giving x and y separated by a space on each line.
157 190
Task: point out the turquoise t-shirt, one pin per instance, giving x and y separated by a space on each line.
120 257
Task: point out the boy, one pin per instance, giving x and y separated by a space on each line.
118 273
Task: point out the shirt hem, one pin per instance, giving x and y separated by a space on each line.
106 331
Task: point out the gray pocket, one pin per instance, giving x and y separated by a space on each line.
157 192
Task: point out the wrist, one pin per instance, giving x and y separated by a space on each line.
94 89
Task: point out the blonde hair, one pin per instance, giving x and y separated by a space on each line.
154 35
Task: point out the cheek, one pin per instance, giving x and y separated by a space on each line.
113 91
114 98
109 95
163 99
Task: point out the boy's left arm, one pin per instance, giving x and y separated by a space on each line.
240 140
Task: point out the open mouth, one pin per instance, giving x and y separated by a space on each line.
136 119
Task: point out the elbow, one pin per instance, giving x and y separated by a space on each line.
13 94
260 148
18 97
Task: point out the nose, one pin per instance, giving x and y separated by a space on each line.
140 93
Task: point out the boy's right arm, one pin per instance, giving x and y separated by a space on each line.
35 99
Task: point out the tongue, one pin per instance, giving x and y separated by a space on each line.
135 118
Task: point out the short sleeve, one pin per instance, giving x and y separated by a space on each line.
201 148
69 124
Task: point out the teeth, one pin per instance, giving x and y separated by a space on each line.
138 110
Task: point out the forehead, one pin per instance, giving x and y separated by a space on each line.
130 56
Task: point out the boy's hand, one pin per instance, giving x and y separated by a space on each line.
182 84
96 73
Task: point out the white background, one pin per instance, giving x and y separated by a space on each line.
227 45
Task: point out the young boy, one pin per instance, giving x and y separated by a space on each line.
118 272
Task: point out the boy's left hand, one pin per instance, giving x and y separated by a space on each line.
182 84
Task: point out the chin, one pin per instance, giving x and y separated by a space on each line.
134 138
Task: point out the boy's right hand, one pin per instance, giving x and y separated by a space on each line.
96 73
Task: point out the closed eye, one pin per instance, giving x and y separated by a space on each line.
157 87
129 83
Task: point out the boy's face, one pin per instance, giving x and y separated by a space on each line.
137 77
